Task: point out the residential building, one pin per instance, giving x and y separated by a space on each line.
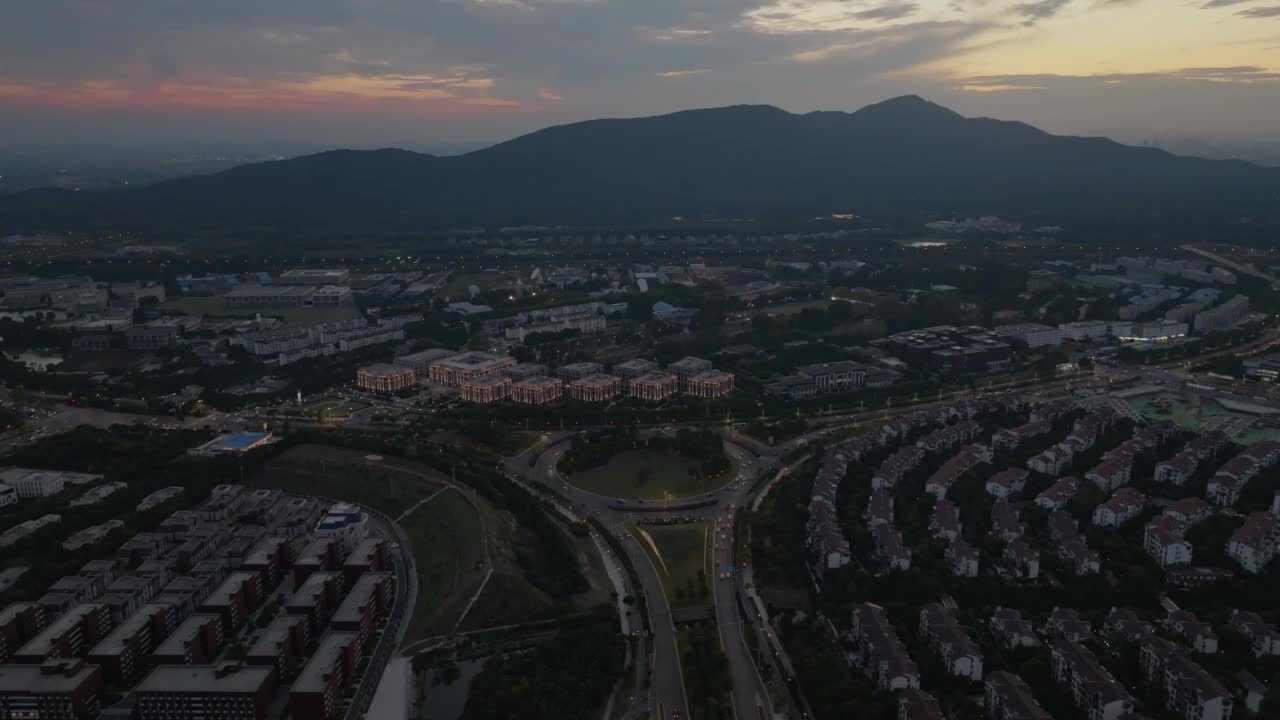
537 390
1007 697
1185 689
1125 505
1058 494
122 652
1084 330
38 483
1093 689
950 642
1021 560
940 482
368 600
945 524
97 494
1012 438
195 641
25 529
1076 555
283 645
344 523
1199 636
234 599
370 556
889 547
1223 317
316 599
319 687
75 631
384 378
710 384
1263 636
1162 540
962 558
1052 461
1067 624
1007 483
19 623
1110 474
64 688
916 704
1253 545
879 652
1012 630
652 386
1123 627
893 468
1005 522
301 296
228 691
595 388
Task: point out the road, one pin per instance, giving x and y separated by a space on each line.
666 693
1244 269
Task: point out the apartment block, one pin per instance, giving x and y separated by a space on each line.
537 390
1008 698
710 384
195 641
1094 690
595 388
368 600
122 652
228 691
878 651
283 645
486 389
65 688
652 386
70 635
950 642
319 687
316 599
235 598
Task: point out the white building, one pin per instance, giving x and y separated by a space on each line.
41 483
1030 335
345 522
8 495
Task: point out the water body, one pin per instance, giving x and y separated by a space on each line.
40 360
446 702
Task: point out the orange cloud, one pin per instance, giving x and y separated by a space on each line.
428 94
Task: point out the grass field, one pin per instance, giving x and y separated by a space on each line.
333 407
457 287
214 306
648 475
682 560
448 551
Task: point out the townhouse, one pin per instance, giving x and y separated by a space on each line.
1057 495
1263 636
878 651
1198 635
1184 688
1093 689
1012 630
1007 483
1125 505
1007 697
1253 545
950 642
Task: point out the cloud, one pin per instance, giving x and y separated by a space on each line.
1260 12
682 73
1033 12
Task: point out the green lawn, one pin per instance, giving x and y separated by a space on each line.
682 555
335 408
648 475
214 306
448 552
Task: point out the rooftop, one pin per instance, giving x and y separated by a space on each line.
207 679
473 361
315 675
54 676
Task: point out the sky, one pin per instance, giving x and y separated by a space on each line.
412 73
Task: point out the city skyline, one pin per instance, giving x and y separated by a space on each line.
479 71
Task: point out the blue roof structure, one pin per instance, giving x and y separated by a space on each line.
243 440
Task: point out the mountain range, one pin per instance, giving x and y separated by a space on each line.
903 156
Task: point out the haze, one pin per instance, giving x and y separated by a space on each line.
416 72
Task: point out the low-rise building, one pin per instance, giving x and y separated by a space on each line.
577 371
1182 686
962 558
916 704
64 688
1253 545
487 389
1093 689
1021 560
538 390
465 367
1012 630
1263 636
122 652
384 378
1030 335
283 645
319 687
1058 494
710 384
1007 697
193 642
959 654
686 368
652 386
879 652
1007 483
595 388
1198 635
1125 505
228 691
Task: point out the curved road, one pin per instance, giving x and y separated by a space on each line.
666 697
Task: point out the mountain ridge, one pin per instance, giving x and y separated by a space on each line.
902 155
